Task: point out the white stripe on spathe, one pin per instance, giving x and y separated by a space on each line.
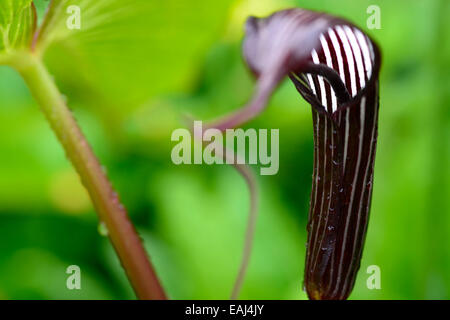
351 69
355 173
329 60
316 60
311 83
316 159
365 181
357 53
337 49
323 94
365 50
350 61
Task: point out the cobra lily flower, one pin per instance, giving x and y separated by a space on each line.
335 67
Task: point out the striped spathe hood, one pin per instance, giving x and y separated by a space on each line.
335 66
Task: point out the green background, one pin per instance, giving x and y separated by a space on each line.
129 76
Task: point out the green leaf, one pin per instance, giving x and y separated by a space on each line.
126 52
17 24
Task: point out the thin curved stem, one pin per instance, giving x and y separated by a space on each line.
244 170
265 86
251 226
121 231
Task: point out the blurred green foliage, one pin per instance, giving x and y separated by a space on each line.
132 71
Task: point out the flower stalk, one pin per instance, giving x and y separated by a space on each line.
112 214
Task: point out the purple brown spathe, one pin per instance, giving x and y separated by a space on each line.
334 66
